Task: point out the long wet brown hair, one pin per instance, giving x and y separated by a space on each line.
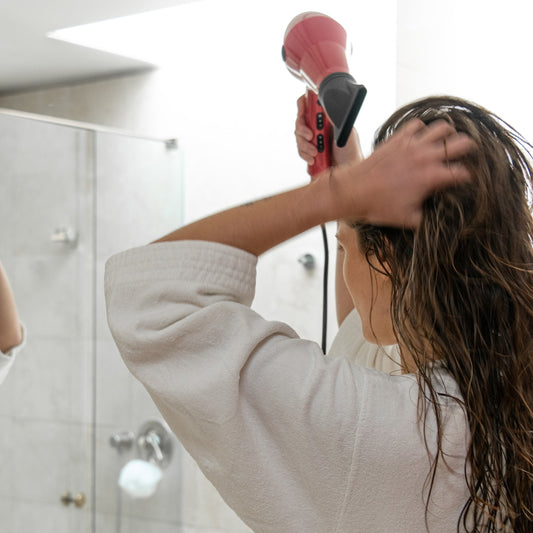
463 291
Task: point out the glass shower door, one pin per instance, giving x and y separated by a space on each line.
70 198
138 199
46 247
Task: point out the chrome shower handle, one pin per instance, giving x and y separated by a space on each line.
152 438
154 443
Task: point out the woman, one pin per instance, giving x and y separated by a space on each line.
295 441
11 332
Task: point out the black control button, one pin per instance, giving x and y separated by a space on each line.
320 143
320 121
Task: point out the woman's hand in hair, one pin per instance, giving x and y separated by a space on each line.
401 173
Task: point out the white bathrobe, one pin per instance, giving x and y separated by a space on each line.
349 343
7 359
294 441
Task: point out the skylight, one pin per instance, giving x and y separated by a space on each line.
152 37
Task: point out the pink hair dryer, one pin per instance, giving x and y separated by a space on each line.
314 50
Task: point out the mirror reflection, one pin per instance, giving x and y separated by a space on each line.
107 145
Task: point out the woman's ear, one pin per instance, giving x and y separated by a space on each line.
378 258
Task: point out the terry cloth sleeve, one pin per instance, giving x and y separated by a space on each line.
270 420
7 359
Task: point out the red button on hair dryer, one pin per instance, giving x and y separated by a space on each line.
314 50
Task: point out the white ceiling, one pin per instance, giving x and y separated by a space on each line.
28 59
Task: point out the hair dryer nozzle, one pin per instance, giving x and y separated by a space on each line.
342 98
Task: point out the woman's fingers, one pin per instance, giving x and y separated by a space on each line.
438 143
447 142
414 162
437 131
306 150
304 135
411 128
457 145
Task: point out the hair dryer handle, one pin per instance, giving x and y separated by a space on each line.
317 120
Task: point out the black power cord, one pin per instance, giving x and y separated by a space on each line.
325 290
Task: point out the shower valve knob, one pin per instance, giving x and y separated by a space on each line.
308 261
78 499
122 441
68 236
